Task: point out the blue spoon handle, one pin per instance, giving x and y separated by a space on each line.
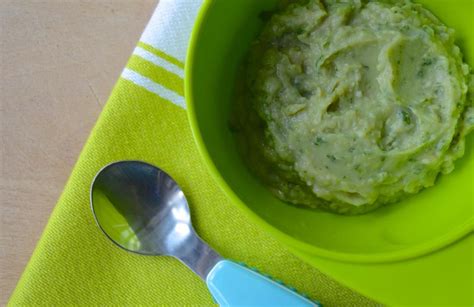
234 285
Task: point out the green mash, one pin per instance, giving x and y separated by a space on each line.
348 105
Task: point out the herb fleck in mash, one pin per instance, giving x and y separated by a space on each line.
347 105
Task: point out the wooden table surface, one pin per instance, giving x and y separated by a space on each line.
59 61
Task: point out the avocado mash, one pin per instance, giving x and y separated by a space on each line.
347 105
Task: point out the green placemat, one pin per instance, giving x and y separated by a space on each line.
145 119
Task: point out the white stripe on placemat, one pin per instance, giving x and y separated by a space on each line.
150 57
153 87
170 26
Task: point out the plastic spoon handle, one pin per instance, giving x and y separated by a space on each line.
234 285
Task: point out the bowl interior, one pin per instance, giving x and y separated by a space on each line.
428 220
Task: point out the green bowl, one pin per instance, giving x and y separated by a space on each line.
418 225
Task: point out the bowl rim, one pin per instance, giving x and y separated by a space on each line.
426 247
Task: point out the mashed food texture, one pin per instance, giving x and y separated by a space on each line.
347 105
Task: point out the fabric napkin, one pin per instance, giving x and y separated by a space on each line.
145 119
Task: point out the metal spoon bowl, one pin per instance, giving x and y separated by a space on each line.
143 210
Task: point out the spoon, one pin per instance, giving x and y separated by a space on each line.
143 210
